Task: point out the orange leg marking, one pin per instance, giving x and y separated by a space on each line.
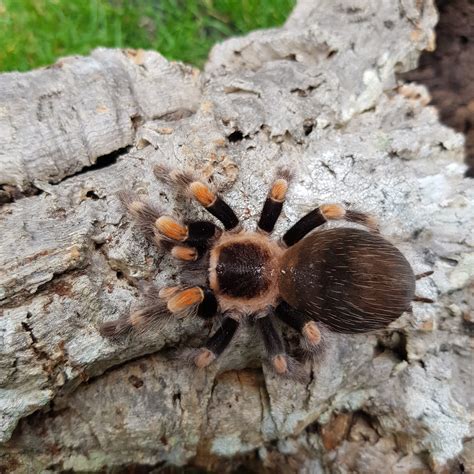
280 364
279 189
332 211
185 299
184 253
311 333
202 193
168 227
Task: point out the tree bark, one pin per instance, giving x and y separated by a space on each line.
320 94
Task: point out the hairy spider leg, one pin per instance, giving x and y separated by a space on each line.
185 301
187 241
159 305
273 343
143 212
217 343
424 275
151 312
208 306
201 192
274 201
422 299
320 216
301 323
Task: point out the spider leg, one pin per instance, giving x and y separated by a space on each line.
320 216
301 323
273 343
424 274
274 201
187 241
180 302
217 343
143 212
161 305
422 299
151 312
196 299
201 192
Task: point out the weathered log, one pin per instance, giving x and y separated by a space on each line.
321 94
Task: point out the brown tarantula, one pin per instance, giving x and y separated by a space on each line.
349 280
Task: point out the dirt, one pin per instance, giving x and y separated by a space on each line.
448 72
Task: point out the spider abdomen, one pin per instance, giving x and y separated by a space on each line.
349 279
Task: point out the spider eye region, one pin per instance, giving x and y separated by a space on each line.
243 269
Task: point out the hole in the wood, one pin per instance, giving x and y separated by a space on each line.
137 120
27 328
235 136
353 10
103 161
313 427
135 381
308 127
92 195
396 342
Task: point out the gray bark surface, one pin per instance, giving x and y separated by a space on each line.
320 94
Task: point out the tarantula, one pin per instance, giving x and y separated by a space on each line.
349 280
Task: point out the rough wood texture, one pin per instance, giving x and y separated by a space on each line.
319 93
58 120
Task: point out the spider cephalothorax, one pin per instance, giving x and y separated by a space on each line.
349 280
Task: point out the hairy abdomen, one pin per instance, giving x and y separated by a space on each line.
349 279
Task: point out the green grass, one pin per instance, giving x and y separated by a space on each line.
36 32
